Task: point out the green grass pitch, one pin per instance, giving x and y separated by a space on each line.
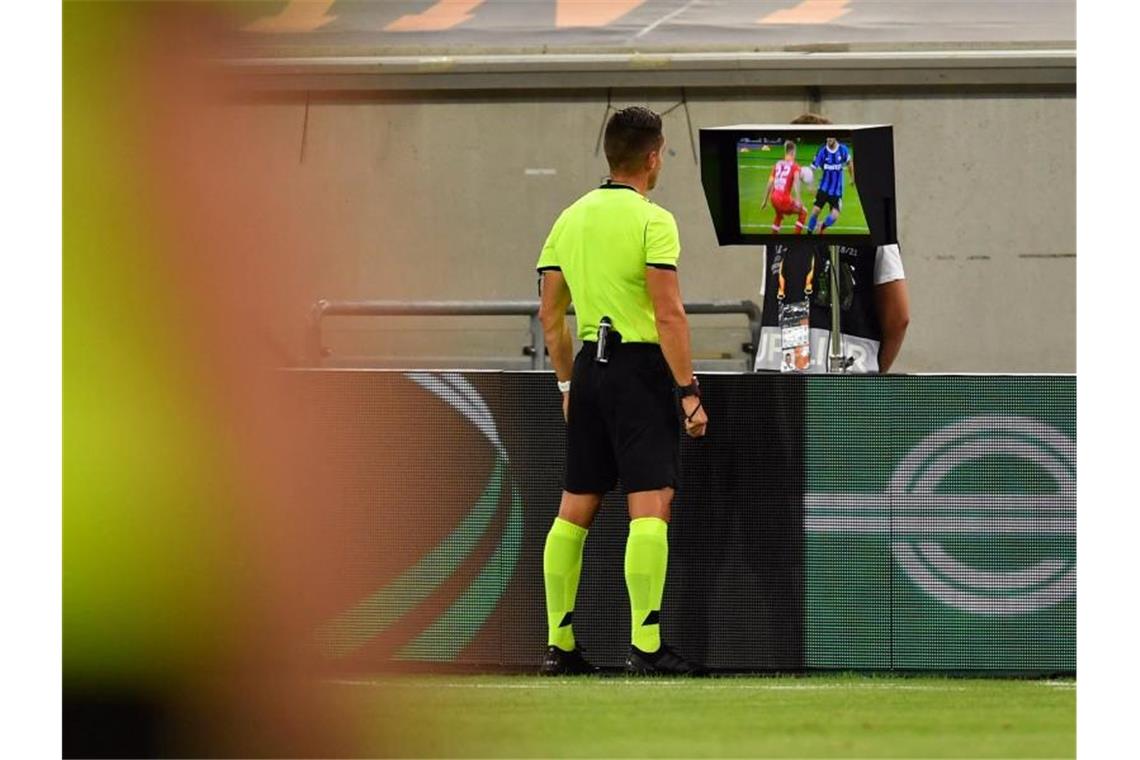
752 169
811 716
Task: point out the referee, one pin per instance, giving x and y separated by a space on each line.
614 254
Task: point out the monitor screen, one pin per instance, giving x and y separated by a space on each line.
767 183
798 184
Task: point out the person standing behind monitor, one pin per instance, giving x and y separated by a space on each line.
872 284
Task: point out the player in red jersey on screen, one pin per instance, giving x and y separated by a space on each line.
782 183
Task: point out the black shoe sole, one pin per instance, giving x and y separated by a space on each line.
636 666
650 671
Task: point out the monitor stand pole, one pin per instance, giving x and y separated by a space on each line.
836 361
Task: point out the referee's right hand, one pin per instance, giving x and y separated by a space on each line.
695 423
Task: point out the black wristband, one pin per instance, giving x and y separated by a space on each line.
692 389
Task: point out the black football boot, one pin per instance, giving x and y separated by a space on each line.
663 662
558 662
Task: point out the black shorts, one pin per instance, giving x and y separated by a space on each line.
623 422
823 199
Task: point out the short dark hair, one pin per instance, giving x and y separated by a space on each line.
630 134
811 118
789 146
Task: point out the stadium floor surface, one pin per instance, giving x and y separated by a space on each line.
325 27
811 716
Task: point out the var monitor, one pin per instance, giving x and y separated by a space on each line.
770 183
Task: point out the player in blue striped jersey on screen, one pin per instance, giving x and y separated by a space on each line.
830 161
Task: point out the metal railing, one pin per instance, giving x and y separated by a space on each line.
536 350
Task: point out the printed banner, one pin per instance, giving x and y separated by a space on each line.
922 523
940 521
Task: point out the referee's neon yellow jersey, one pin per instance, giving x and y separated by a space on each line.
602 244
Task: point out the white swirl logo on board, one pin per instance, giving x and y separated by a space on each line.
962 586
920 517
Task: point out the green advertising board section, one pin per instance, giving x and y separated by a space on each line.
940 523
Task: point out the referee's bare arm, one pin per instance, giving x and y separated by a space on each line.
673 331
555 330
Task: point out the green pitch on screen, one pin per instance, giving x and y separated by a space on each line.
753 166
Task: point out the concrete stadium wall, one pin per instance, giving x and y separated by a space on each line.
450 197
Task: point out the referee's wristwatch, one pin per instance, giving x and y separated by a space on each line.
692 389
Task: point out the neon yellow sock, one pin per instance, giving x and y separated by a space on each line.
561 568
646 558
